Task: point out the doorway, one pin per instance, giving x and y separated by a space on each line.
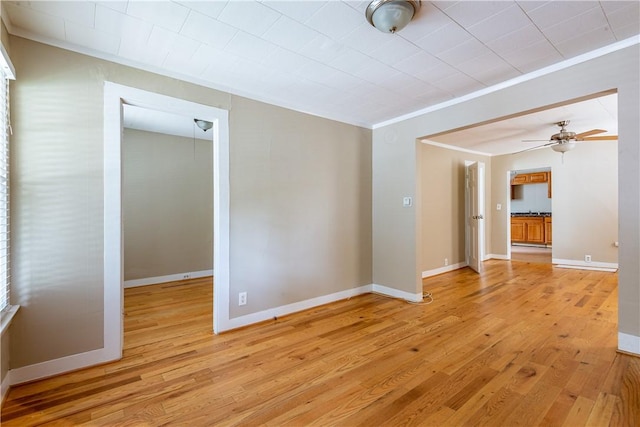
530 215
115 97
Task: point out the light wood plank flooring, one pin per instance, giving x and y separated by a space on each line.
523 344
530 254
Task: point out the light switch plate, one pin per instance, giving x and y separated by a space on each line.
407 202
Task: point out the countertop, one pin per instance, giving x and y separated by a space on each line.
530 214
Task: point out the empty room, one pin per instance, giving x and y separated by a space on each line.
305 213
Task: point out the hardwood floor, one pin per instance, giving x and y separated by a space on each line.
530 254
523 344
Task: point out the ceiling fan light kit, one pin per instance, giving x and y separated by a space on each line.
391 16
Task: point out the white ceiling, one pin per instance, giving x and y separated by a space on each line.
322 57
140 118
504 137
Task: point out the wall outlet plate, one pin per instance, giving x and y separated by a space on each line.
242 298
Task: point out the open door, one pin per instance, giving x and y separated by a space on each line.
474 211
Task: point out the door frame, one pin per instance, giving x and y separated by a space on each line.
115 96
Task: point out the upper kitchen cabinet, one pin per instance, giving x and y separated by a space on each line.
529 178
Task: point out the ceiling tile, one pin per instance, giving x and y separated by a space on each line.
120 6
282 59
418 65
553 13
208 30
584 42
192 63
211 9
624 19
349 60
580 24
395 51
428 20
524 36
91 38
508 20
251 17
36 22
322 48
250 47
77 12
374 71
444 38
297 10
458 84
335 19
290 34
116 23
367 39
468 13
463 52
168 15
532 57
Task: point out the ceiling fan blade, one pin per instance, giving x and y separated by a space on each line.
589 133
600 138
535 148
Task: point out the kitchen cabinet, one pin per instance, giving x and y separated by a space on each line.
529 178
529 229
547 230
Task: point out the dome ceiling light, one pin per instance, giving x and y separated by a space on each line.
390 16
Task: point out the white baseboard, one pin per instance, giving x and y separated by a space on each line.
59 366
395 293
582 265
629 343
261 316
497 256
4 387
169 278
445 269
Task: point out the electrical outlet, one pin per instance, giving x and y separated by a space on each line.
242 298
186 276
587 258
446 261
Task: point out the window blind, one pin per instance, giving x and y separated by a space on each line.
5 267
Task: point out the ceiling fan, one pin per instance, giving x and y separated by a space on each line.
565 140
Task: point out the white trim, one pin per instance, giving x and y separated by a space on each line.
628 343
582 265
445 269
115 96
7 317
283 310
622 44
168 278
498 256
58 366
455 148
395 293
6 65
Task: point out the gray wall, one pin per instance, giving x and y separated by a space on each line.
300 199
442 174
395 165
167 205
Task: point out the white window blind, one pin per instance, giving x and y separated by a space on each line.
5 267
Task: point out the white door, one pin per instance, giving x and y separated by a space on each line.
474 210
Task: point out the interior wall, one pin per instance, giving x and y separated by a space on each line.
300 199
396 177
442 174
300 209
585 199
167 205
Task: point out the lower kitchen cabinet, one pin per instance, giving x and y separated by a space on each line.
533 229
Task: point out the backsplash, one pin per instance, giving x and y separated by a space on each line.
534 199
